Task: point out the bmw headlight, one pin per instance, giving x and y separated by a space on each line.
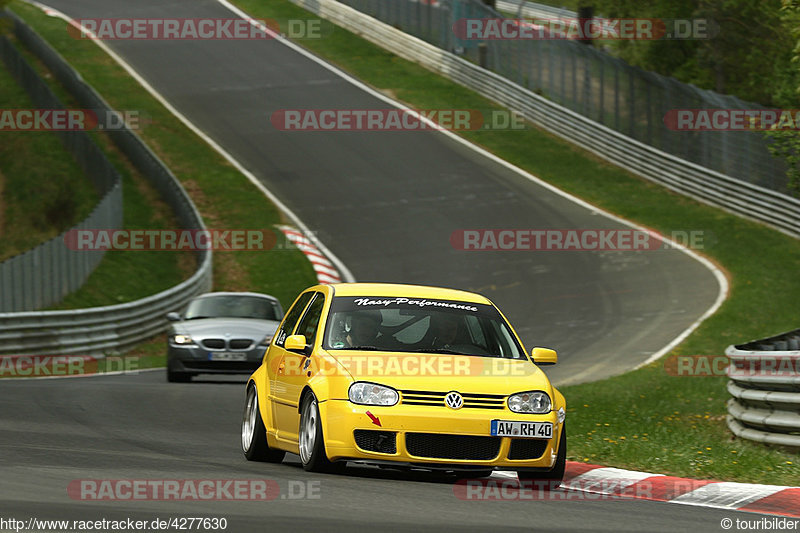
532 402
266 340
182 339
364 393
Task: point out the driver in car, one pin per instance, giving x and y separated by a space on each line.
445 330
364 327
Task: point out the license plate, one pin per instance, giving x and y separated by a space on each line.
516 428
226 356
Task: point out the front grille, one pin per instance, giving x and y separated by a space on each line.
214 344
240 344
527 449
229 366
438 446
376 441
436 399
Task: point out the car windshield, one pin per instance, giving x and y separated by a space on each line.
416 325
232 306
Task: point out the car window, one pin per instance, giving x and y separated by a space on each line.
412 331
310 322
232 306
505 342
292 317
416 325
476 332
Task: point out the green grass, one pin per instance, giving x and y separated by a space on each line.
145 356
665 421
121 276
648 421
225 198
42 190
662 418
150 354
128 275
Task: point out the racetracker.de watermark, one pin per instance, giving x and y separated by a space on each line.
192 490
229 240
42 366
67 120
197 523
572 240
395 120
761 365
493 489
160 29
732 119
637 29
416 365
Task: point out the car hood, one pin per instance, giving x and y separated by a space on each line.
443 373
237 328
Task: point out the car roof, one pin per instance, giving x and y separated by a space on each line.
408 291
232 293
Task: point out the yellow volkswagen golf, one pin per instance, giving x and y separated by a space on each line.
407 377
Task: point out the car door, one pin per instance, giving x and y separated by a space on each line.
293 372
275 354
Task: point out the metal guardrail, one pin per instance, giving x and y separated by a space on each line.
533 10
115 328
43 276
598 85
763 409
765 388
680 175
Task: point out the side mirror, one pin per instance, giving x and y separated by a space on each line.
544 356
173 317
295 343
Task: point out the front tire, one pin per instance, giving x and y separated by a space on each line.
254 434
555 476
178 377
312 444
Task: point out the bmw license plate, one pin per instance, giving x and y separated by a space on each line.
531 430
226 356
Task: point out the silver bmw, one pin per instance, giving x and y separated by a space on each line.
221 333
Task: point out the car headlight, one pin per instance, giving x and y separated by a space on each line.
364 393
266 340
533 402
182 339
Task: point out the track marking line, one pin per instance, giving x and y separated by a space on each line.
700 493
718 274
345 273
95 375
340 266
324 270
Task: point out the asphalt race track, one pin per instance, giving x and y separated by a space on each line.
386 204
140 427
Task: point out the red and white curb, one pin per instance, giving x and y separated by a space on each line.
326 271
629 484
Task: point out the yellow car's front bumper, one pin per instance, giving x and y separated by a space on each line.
422 435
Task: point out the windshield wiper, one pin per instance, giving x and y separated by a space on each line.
439 350
199 317
364 348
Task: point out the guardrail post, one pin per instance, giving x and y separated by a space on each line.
585 13
765 388
483 55
114 328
